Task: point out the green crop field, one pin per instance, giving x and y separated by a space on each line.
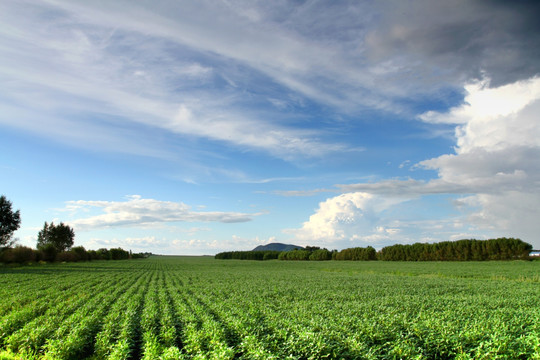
202 308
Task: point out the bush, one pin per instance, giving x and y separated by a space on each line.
47 252
66 256
119 254
321 254
104 254
19 254
81 253
295 255
271 255
357 254
461 250
246 255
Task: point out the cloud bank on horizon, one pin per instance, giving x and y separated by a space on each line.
398 122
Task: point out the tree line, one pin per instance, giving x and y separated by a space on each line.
248 255
54 242
461 250
23 254
313 253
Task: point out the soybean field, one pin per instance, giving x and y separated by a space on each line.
202 308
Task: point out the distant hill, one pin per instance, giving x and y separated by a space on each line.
277 247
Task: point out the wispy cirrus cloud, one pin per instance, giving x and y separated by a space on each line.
200 69
75 72
249 133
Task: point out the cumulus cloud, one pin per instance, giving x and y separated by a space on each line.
500 141
343 219
137 211
497 146
484 105
496 157
494 174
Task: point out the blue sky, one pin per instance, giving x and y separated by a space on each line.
194 127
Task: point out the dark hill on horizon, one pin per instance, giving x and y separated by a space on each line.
277 247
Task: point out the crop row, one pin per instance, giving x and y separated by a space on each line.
184 308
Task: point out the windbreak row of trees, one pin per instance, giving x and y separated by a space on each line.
357 254
309 253
315 253
248 255
461 250
23 254
54 242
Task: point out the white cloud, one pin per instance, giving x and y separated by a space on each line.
249 133
89 62
131 243
497 149
194 70
300 192
110 75
495 168
127 63
509 213
198 246
137 211
187 244
485 109
496 159
347 219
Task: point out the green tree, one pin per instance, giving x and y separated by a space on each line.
47 252
81 253
119 254
61 236
321 255
9 222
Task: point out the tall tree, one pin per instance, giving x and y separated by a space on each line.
61 236
9 222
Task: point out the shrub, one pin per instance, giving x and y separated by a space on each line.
81 253
357 253
119 254
47 252
104 254
18 254
66 256
321 254
295 255
245 255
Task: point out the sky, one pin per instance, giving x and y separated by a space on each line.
195 127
